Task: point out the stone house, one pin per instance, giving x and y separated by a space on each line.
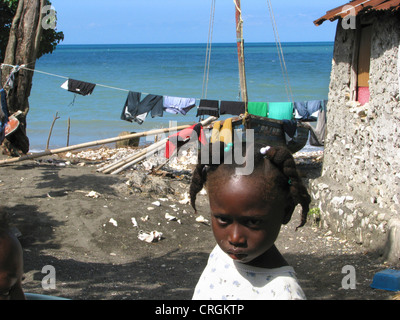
358 192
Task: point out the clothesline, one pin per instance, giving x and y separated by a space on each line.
64 77
59 76
24 66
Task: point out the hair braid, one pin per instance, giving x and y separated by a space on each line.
4 220
280 157
199 176
284 160
196 185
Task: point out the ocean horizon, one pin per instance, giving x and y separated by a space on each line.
163 69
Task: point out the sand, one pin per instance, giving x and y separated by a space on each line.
79 221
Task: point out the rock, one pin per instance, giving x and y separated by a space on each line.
134 142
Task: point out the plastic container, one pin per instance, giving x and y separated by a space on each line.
388 279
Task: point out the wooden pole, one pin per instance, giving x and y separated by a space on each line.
91 144
240 50
131 163
132 159
68 130
100 142
51 129
147 151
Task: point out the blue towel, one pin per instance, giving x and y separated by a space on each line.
314 106
301 108
305 109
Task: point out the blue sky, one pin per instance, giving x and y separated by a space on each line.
187 21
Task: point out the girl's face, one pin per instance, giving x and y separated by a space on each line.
11 269
244 222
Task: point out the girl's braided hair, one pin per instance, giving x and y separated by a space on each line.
280 157
4 222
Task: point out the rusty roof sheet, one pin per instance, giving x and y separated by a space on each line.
360 7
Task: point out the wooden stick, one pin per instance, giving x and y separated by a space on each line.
68 130
129 164
120 162
115 162
91 144
130 161
161 165
146 152
99 142
51 129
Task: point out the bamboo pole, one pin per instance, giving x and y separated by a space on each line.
137 157
146 152
100 142
91 144
131 163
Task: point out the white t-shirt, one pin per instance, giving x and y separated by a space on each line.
226 279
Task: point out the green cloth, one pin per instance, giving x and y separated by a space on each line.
280 110
258 108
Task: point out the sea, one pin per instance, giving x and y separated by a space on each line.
162 69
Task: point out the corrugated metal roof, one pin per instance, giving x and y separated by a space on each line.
361 7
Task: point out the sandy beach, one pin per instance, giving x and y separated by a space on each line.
91 228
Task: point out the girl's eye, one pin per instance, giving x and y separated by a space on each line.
254 223
222 220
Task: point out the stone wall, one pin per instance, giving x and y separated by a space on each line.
359 189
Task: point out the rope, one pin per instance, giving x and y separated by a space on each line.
208 51
237 7
64 77
280 53
60 76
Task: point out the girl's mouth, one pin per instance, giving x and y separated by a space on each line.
236 255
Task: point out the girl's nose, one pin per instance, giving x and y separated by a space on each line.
236 236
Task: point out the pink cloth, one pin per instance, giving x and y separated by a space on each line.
363 95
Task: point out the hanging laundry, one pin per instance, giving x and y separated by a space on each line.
308 110
3 114
177 105
79 87
215 132
224 133
208 107
317 135
129 111
258 108
232 107
301 110
177 140
314 106
280 110
137 110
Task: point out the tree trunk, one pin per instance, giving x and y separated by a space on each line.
22 49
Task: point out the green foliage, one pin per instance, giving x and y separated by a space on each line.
315 215
50 37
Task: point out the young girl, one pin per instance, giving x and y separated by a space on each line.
11 264
247 212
